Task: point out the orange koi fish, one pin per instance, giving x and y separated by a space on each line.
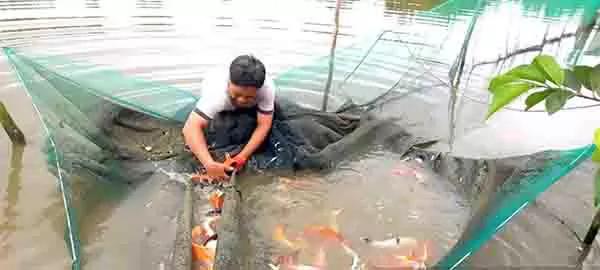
204 244
216 200
279 235
288 262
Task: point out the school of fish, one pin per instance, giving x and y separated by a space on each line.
393 254
397 253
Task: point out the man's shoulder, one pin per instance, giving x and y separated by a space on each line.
269 84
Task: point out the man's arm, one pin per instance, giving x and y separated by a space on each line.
263 125
193 132
194 138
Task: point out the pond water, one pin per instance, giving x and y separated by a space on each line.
175 42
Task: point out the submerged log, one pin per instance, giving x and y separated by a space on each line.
229 231
182 253
14 133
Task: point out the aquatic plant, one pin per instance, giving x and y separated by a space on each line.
546 81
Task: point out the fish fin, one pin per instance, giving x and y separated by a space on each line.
279 235
333 219
320 259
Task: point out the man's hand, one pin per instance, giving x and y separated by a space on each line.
194 137
217 169
239 161
263 126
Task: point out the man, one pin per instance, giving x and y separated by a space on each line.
244 86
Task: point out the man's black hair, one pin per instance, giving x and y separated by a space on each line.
247 70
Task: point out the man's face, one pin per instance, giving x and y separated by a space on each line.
242 96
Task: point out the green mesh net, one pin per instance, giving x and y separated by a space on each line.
73 105
76 101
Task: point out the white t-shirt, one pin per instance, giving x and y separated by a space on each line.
214 97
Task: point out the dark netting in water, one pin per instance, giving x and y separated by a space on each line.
104 126
117 140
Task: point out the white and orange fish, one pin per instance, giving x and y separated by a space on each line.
406 169
320 236
399 253
204 238
289 262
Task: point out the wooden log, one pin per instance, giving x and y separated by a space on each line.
14 133
182 253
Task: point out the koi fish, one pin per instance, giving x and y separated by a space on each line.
396 263
405 169
204 244
279 235
288 262
396 242
323 233
288 183
208 178
404 257
216 200
294 267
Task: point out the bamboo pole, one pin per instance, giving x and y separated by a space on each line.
332 55
14 133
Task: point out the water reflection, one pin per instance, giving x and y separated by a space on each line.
27 5
149 4
11 198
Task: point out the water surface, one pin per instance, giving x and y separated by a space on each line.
177 41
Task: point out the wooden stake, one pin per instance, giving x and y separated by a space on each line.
332 55
588 241
11 128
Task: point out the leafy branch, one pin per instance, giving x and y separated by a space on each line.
557 85
554 85
546 81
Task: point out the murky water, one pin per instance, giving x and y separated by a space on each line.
407 203
176 41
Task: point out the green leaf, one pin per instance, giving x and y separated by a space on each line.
527 72
556 100
595 79
583 75
537 97
551 70
596 156
505 94
597 138
571 80
500 81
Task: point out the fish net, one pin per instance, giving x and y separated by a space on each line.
126 136
112 138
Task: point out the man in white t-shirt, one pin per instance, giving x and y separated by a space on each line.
244 85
